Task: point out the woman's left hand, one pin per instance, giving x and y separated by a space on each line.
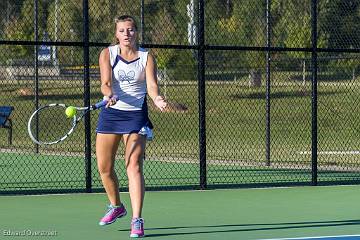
111 100
160 102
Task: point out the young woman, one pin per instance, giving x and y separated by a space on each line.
128 74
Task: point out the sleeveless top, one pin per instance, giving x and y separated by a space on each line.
128 80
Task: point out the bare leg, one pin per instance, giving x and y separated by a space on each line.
106 147
134 155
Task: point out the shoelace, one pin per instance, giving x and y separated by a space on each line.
110 209
137 223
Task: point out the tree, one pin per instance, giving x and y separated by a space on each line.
65 23
292 28
21 27
341 23
11 11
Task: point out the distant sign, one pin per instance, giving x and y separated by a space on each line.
44 53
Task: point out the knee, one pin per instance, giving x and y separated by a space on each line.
105 170
133 166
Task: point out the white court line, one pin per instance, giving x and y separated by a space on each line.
332 152
319 237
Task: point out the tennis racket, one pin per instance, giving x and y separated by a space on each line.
49 124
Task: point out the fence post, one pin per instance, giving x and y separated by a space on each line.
87 95
36 66
201 93
268 71
314 102
142 24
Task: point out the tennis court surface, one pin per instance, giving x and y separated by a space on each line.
321 237
268 213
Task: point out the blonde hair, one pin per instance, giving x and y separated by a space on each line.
123 18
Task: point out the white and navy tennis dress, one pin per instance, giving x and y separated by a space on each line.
130 113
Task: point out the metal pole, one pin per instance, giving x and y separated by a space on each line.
87 96
36 66
54 54
142 25
7 11
314 101
201 93
268 79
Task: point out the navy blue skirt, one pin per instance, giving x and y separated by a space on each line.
122 122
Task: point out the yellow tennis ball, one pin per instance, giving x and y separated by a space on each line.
70 111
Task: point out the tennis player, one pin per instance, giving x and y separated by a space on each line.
128 74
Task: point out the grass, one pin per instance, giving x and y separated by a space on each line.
235 124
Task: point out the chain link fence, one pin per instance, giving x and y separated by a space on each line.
260 92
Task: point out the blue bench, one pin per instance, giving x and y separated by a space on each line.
5 121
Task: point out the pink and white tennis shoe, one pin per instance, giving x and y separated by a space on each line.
137 228
112 213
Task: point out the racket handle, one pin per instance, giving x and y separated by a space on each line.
102 103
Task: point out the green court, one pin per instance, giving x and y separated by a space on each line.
266 213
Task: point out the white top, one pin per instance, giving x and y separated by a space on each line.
128 79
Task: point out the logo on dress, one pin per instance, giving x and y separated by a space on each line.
130 76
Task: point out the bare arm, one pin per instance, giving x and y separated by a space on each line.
152 83
105 75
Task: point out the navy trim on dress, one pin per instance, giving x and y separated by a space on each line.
125 61
119 58
115 63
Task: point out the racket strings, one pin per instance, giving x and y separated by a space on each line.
50 124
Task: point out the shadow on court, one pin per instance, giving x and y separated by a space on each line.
247 227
